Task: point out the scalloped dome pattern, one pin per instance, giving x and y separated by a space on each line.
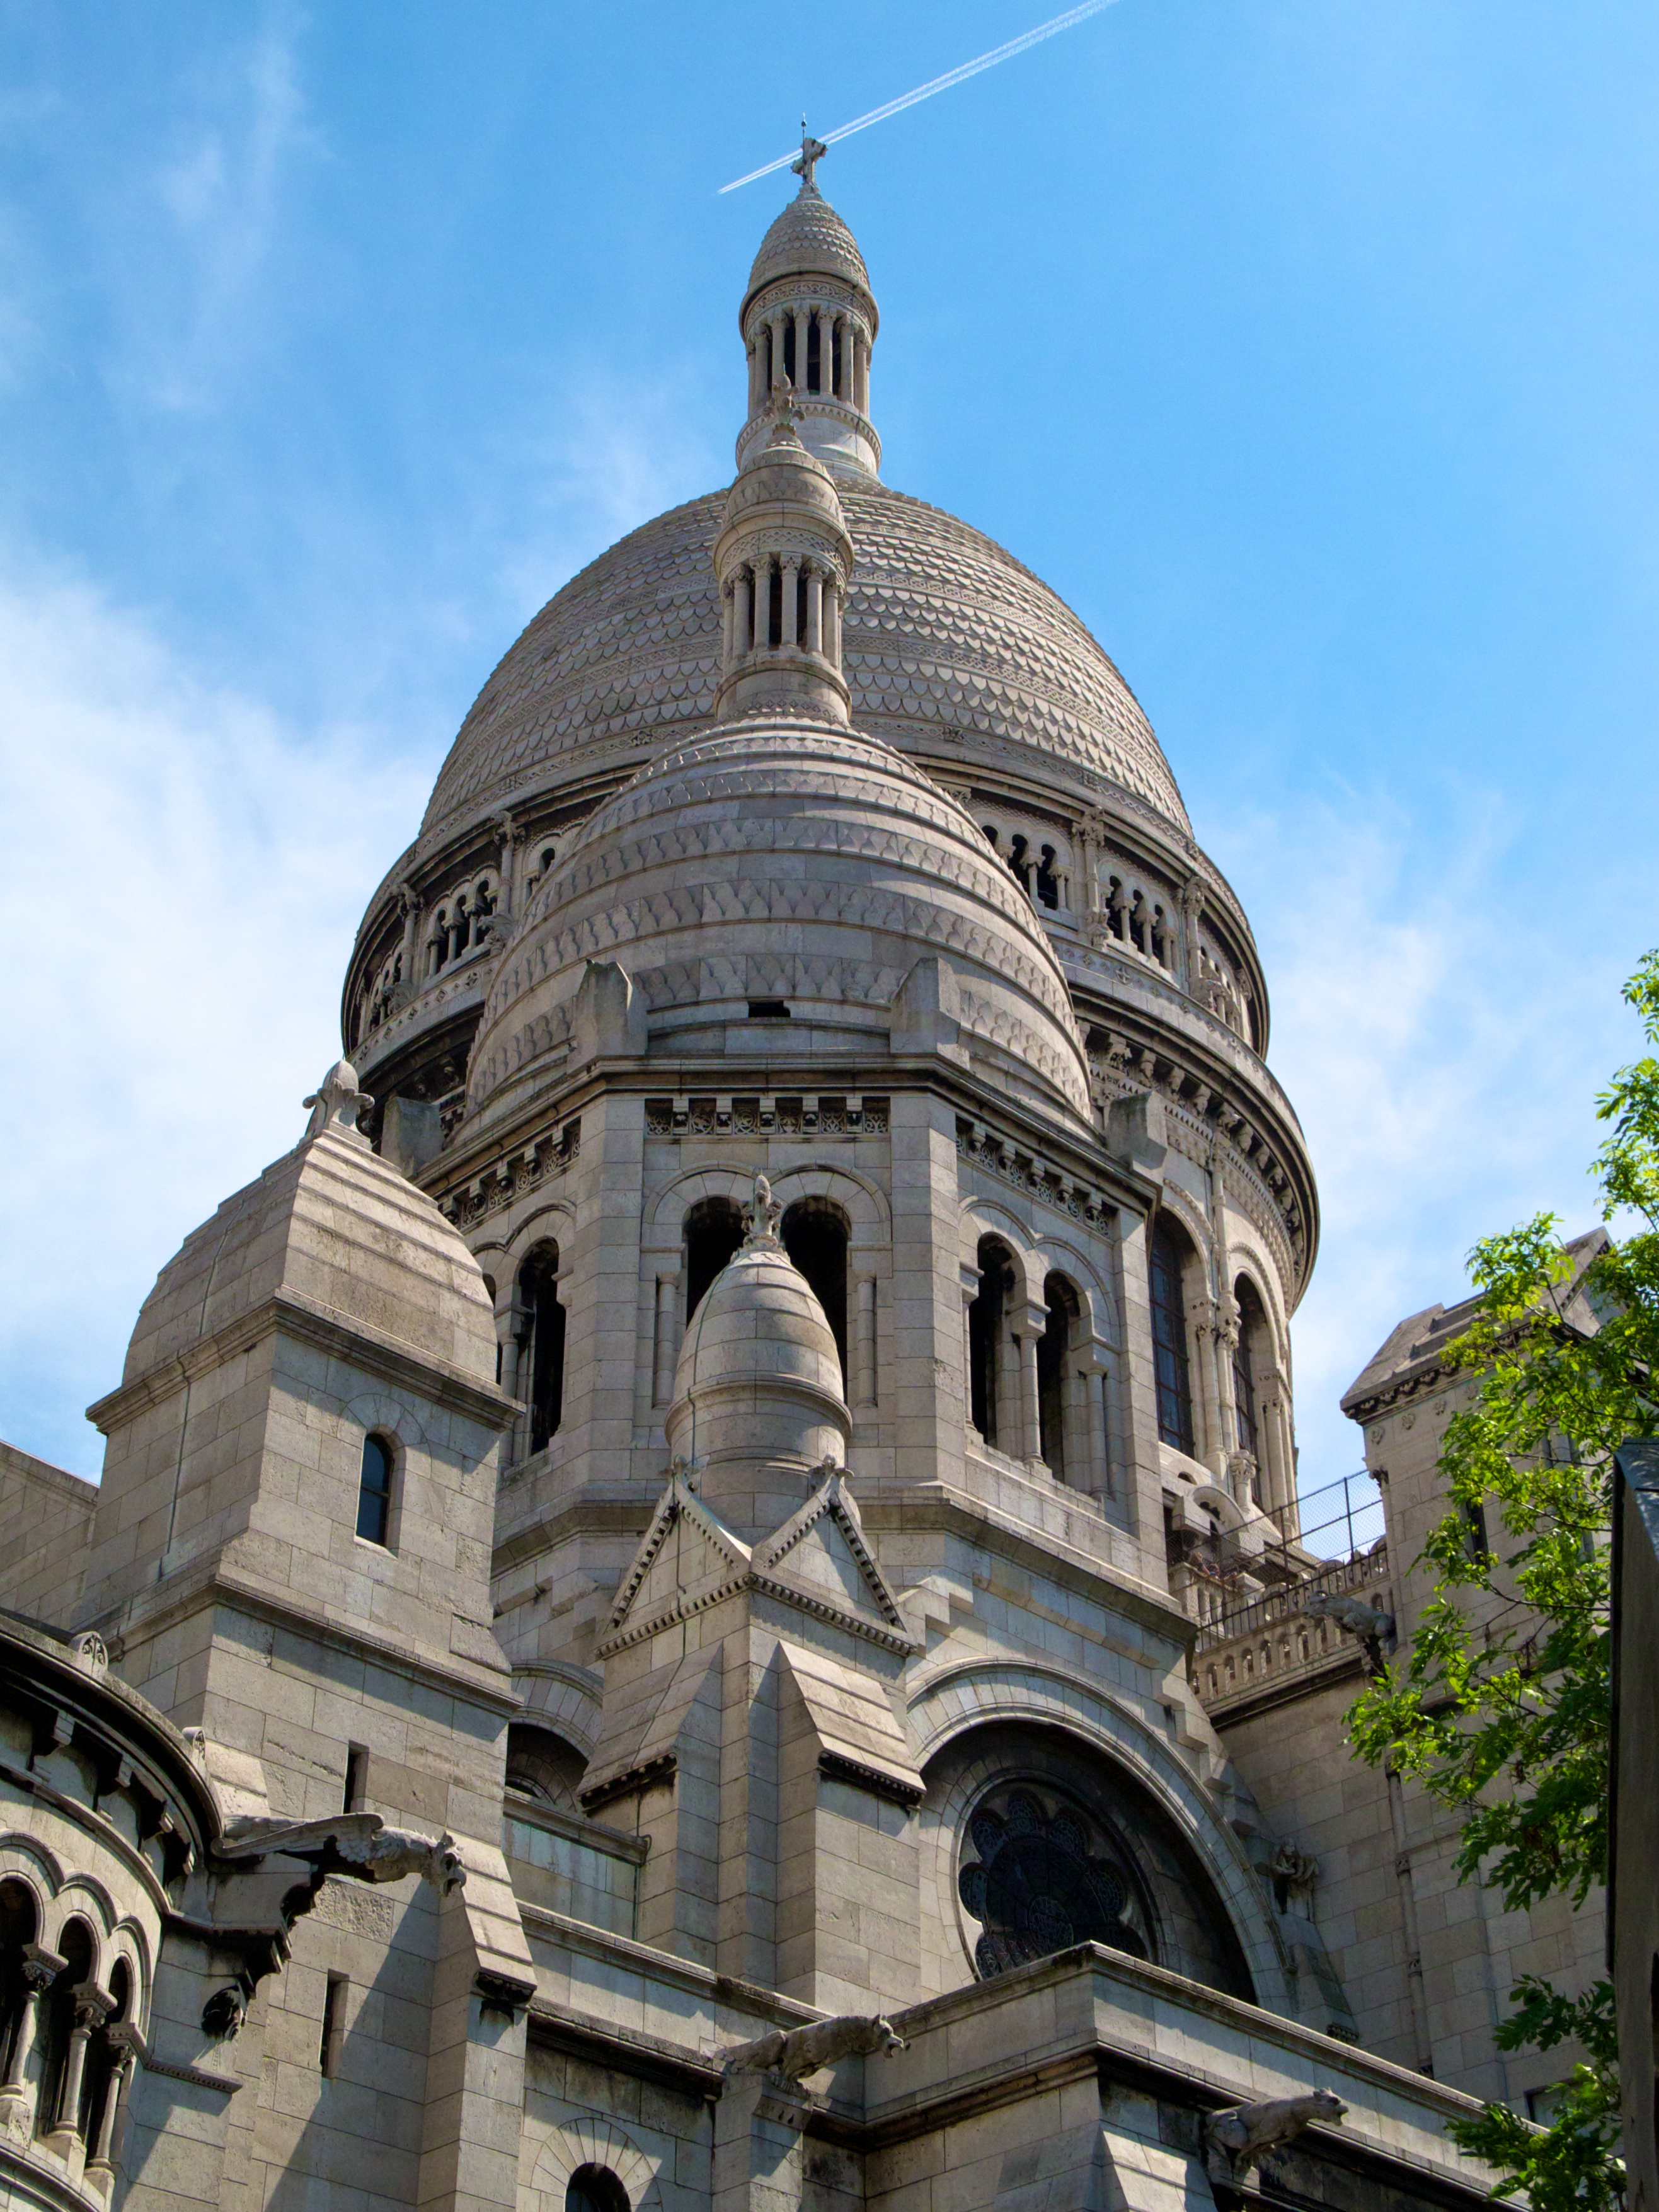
946 634
809 239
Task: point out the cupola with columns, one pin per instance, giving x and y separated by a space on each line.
809 318
784 560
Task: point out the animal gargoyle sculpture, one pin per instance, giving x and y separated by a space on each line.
1234 2141
350 1843
792 2053
1367 1622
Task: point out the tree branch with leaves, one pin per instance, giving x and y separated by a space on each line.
1502 1709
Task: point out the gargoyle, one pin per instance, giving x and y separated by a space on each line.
350 1843
1234 2141
1364 1621
795 2052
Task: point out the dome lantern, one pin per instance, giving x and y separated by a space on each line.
809 318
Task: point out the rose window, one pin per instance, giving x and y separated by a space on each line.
1038 1882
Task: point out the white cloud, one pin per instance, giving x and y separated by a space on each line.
185 876
1442 1018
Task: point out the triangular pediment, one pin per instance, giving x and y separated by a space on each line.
688 1553
820 1553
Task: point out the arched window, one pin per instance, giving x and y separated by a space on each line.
64 2062
541 1343
714 1230
1054 1384
102 2085
542 1765
815 1237
1175 1397
989 1397
374 1491
18 1924
595 2189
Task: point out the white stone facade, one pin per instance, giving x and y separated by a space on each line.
700 1529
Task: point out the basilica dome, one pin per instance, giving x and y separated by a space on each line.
950 644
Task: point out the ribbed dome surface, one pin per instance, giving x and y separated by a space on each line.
788 861
759 1324
809 239
947 638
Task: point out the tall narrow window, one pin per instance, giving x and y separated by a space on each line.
1175 1397
374 1491
541 1357
1064 1313
18 1925
334 2004
1244 1388
714 1230
815 1237
356 1779
985 1337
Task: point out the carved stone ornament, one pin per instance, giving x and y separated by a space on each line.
351 1843
223 2014
762 1215
1234 2140
1295 1868
792 2053
336 1103
90 1652
1372 1626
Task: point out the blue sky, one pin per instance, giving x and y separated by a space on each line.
1306 346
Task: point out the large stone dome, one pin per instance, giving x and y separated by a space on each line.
786 864
949 639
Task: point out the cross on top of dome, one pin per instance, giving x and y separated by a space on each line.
812 151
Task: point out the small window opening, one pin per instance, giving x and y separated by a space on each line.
775 605
334 2004
815 1237
1047 883
815 356
595 2189
374 1491
769 1010
1020 863
357 1779
789 351
714 1230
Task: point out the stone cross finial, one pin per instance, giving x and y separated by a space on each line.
762 1215
336 1103
812 151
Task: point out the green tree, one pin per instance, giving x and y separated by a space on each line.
1503 1713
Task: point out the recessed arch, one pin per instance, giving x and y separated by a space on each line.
562 1697
959 1696
580 2140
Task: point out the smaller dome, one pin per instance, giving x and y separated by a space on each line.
809 239
782 476
758 1383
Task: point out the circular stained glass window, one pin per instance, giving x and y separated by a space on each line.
1038 1878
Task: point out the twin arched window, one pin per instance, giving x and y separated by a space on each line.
815 1234
1050 1423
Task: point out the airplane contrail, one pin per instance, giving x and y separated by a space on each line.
957 75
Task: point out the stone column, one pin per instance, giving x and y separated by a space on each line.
100 2154
774 324
668 1299
815 610
969 1293
410 900
90 2007
861 356
832 622
740 616
790 600
1027 1333
803 325
509 844
756 374
864 1343
41 1968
